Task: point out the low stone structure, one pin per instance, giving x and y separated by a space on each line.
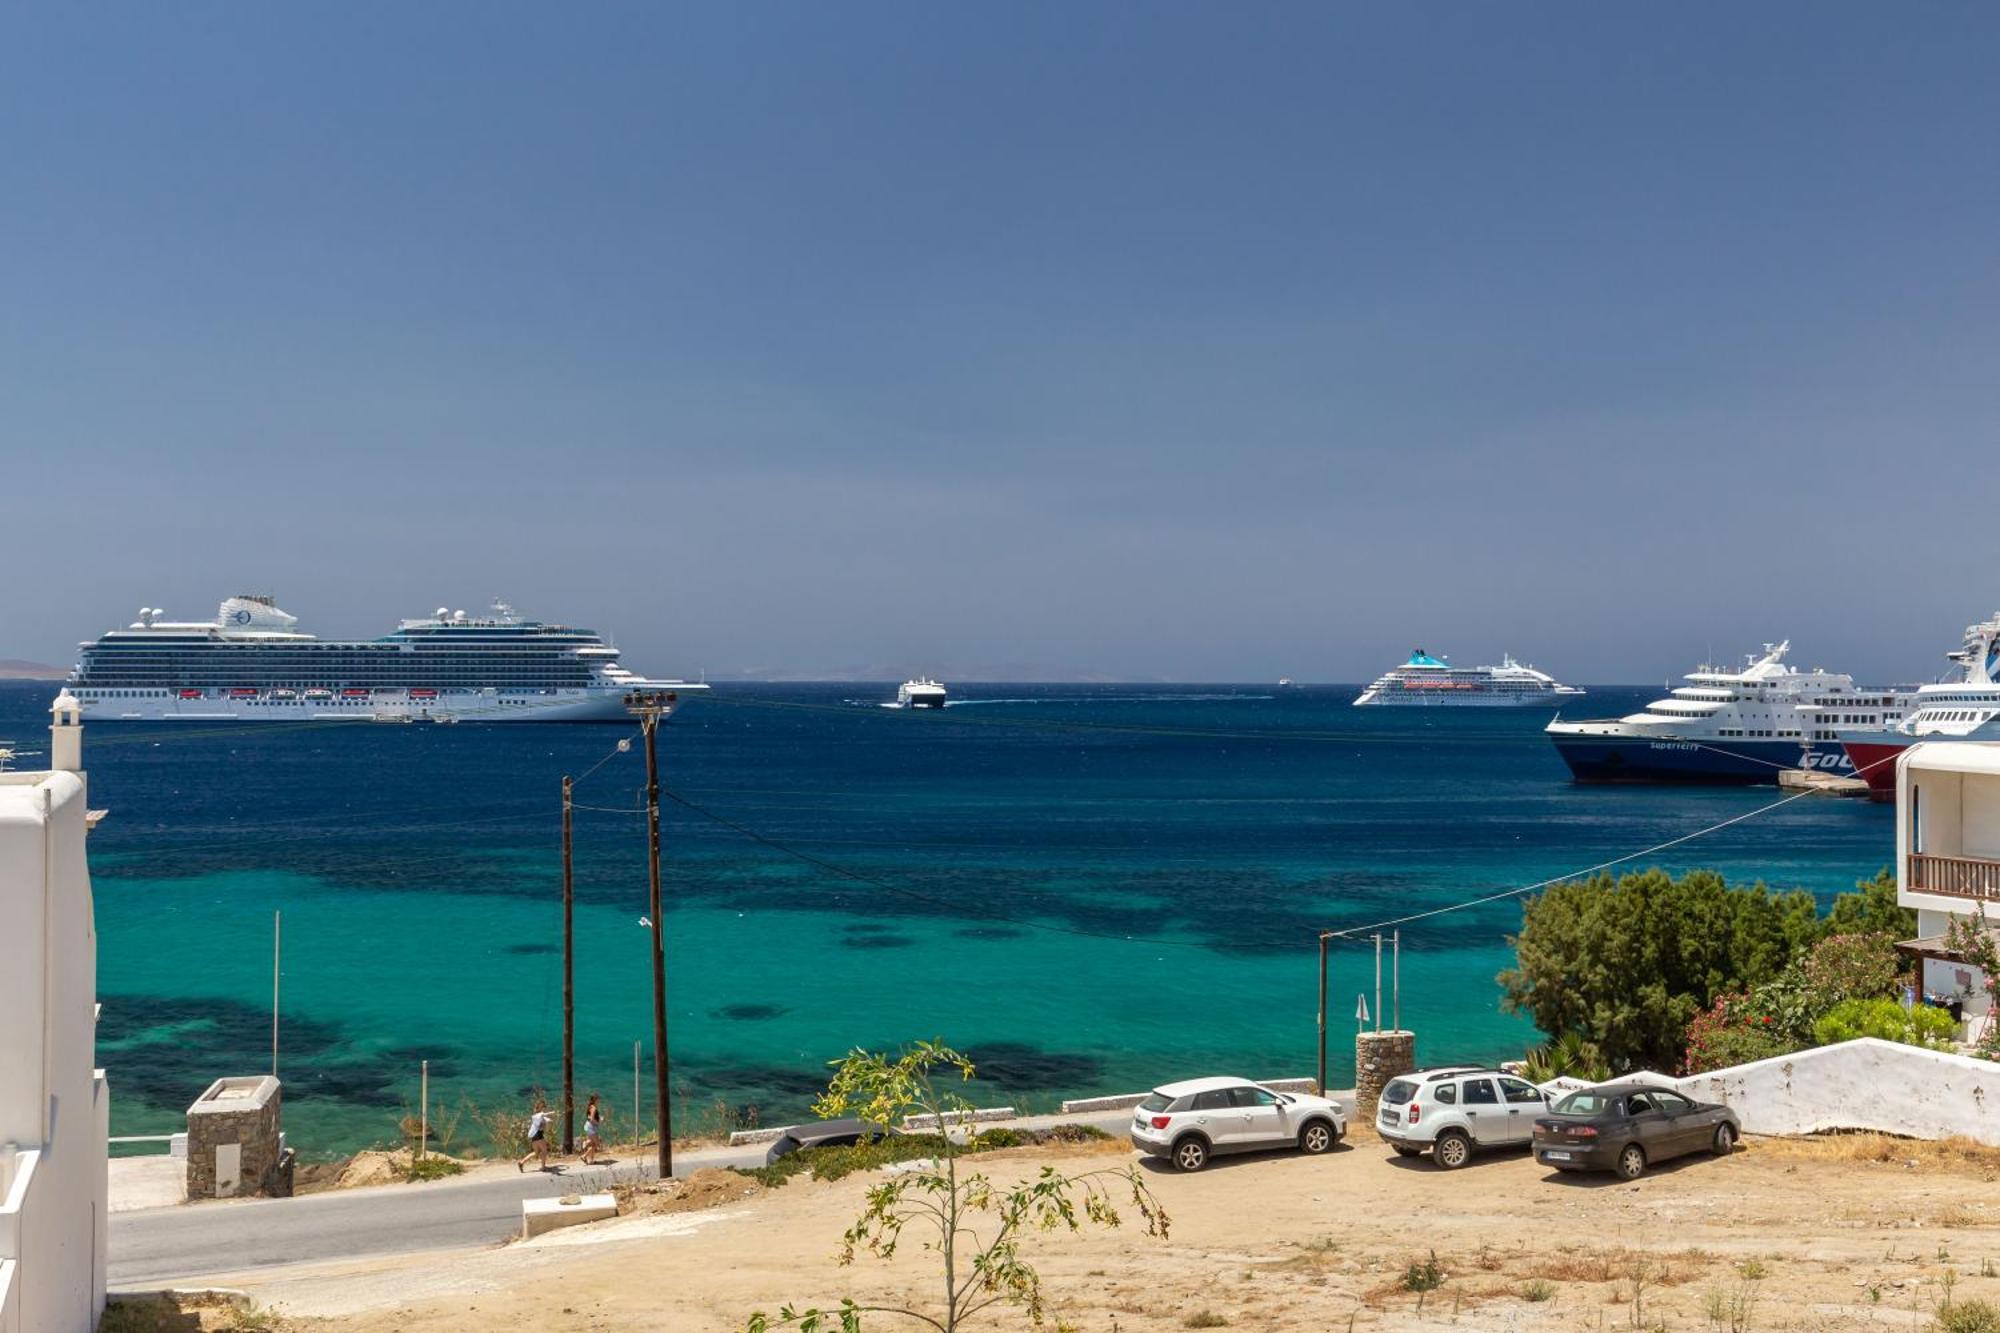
1379 1057
234 1143
540 1215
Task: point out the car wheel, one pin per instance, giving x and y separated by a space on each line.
1725 1139
1404 1151
1190 1154
1316 1138
1632 1162
1452 1150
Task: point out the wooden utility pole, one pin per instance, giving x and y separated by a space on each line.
277 937
1324 936
569 981
651 706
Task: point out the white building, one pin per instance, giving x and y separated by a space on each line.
54 1106
1948 859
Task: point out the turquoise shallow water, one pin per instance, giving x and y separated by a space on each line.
1093 888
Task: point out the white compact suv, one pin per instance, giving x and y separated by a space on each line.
1189 1122
1453 1111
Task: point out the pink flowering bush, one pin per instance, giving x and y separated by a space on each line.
1735 1030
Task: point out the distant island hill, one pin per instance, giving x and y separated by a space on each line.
15 668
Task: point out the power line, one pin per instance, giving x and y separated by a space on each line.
1601 865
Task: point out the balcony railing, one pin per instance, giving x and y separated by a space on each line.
1960 876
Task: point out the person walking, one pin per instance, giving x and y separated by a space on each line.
538 1139
593 1121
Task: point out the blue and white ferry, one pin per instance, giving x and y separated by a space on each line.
1743 726
251 661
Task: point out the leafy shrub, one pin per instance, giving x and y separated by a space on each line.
1070 1134
1001 1138
1566 1056
1735 1030
1887 1019
1851 967
1627 963
1425 1275
1538 1290
1204 1319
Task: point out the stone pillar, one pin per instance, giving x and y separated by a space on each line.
1379 1057
239 1116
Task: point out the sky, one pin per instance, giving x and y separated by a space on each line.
1147 341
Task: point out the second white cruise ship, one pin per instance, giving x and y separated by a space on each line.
251 661
1430 681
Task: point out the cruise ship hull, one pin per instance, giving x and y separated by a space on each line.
447 705
1731 762
1462 699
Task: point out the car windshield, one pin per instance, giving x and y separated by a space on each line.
1399 1091
1156 1102
1584 1103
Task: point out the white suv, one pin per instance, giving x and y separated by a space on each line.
1453 1111
1187 1123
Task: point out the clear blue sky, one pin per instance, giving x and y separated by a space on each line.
1143 340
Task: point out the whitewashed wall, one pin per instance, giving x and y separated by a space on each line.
1860 1084
53 1103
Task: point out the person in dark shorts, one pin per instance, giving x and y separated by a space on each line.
538 1140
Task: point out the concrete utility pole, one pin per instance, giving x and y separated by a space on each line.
650 706
569 981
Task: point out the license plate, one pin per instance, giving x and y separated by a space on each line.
1555 1156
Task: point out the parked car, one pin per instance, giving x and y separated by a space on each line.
1626 1127
1189 1122
1454 1111
823 1134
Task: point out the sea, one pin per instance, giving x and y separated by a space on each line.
1091 889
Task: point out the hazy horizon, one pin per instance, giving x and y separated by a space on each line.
1112 342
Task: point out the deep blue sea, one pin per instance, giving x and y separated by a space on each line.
1091 888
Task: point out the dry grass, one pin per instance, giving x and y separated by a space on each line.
1955 1156
1576 1264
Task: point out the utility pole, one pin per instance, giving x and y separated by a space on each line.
1396 978
277 924
1378 981
569 981
1320 1082
651 706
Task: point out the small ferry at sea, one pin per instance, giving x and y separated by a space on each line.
1429 681
251 661
1965 709
923 692
1743 726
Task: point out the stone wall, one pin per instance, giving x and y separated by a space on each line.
1379 1057
246 1112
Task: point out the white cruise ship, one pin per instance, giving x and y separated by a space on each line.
252 662
923 692
1427 681
1965 709
1743 726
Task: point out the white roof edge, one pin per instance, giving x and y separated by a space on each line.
1953 757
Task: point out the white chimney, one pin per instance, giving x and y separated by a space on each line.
66 734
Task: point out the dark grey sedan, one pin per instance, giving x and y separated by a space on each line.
822 1134
1626 1127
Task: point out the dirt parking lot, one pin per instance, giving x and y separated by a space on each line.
1854 1232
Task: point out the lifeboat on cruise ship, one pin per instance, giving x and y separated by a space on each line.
319 695
242 692
190 694
354 693
423 694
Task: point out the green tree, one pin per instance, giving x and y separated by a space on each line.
1871 910
1921 1026
974 1226
1626 963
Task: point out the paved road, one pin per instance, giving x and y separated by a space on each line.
155 1247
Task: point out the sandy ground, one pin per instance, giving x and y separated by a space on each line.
1852 1233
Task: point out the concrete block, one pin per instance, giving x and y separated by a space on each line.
539 1215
